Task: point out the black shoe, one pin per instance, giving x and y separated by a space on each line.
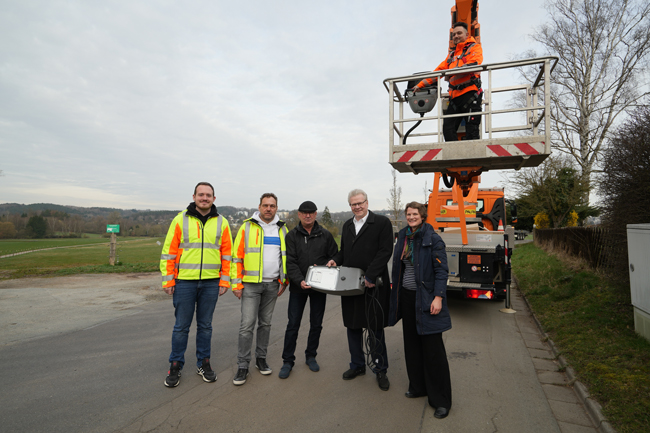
441 413
240 377
354 372
411 394
313 365
285 371
206 371
173 375
262 366
382 380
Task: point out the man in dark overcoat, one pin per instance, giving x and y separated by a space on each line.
366 243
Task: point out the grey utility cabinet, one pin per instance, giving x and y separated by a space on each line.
638 248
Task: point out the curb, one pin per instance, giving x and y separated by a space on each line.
594 409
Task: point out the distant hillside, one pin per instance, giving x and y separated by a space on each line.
75 220
89 212
15 208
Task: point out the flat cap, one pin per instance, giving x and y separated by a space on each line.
307 207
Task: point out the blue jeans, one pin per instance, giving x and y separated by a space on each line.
189 295
297 302
257 304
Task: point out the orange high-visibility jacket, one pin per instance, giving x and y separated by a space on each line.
193 251
463 54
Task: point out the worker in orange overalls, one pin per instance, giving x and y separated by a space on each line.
465 93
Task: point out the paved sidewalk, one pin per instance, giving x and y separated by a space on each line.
568 399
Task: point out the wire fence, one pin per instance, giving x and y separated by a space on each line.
594 245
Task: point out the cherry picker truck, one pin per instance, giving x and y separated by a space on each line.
479 248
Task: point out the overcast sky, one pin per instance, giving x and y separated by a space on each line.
129 104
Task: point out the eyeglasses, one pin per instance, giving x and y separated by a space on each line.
358 204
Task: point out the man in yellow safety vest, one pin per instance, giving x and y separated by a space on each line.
258 277
195 266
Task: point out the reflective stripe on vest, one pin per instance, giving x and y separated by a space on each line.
473 79
283 261
186 245
198 266
450 57
248 249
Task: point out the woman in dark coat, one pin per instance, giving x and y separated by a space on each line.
418 296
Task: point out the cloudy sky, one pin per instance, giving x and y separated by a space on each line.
129 104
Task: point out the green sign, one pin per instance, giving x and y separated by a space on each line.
112 228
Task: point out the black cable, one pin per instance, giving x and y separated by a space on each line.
409 131
445 179
372 343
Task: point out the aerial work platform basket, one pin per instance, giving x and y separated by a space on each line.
499 148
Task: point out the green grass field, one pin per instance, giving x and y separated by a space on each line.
134 254
10 246
591 322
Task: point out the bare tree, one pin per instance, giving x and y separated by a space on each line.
114 217
625 185
395 200
76 224
156 230
7 230
426 192
603 48
51 224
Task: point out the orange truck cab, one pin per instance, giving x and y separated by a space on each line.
485 207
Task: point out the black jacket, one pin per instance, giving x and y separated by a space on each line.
369 251
191 210
307 249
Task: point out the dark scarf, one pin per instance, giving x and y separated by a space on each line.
407 253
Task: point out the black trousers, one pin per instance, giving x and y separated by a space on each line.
472 123
297 302
377 349
426 358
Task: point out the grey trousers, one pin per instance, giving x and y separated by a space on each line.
257 304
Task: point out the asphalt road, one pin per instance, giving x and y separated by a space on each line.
109 377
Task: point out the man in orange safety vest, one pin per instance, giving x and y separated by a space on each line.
465 93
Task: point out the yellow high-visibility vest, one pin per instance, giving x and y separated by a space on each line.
193 251
249 252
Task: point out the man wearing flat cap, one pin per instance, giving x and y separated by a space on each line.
307 244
